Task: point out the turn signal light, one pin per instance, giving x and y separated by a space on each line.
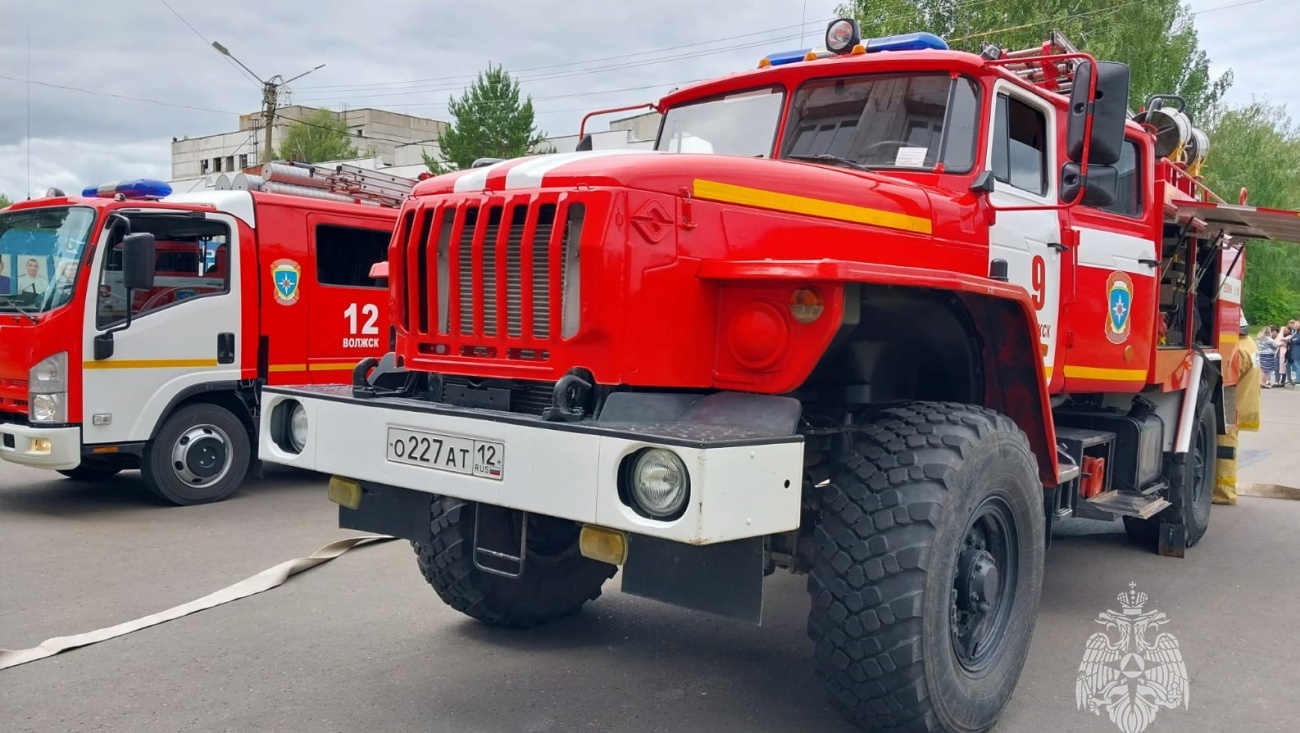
345 492
806 305
603 545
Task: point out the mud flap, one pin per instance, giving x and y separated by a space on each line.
724 579
390 511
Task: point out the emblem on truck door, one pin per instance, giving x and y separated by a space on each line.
1119 303
284 276
1134 674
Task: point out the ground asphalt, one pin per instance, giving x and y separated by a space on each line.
362 644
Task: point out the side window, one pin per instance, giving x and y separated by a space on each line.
191 260
1128 195
1020 145
344 255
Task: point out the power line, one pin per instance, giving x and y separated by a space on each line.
117 96
207 42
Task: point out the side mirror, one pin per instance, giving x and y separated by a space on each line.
138 261
1100 187
1108 110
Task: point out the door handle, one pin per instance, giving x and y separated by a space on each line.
1057 246
1150 263
225 348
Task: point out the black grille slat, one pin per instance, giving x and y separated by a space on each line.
515 273
489 303
465 282
542 271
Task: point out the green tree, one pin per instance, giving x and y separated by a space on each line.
1156 38
4 201
1257 147
490 122
322 135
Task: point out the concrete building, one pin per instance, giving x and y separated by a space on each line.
375 132
386 141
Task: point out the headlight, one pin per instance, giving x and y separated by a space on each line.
298 427
47 408
47 390
660 484
50 375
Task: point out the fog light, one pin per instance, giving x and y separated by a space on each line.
42 446
345 492
660 483
603 545
842 35
298 427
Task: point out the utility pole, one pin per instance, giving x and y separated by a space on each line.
270 95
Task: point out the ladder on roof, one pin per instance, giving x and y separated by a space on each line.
340 182
1034 65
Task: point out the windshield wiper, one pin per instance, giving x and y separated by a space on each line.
12 302
827 158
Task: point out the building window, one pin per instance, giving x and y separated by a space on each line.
344 255
1020 145
216 165
243 161
230 162
203 166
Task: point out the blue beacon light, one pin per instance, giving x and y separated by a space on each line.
142 188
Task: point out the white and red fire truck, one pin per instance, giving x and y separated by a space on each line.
879 313
137 325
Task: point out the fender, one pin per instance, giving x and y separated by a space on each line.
233 388
1001 312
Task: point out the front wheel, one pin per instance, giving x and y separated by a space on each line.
200 455
929 570
556 580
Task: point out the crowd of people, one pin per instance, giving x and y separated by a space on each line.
1279 355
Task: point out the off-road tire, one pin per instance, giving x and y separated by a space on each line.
165 478
555 583
1191 484
896 525
91 471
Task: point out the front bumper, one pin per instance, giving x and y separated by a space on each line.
745 482
19 444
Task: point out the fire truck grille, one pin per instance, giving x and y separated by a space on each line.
494 271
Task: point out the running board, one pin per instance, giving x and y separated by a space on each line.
1129 504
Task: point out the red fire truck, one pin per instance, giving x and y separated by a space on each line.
879 313
142 323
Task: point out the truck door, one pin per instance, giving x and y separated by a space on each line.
183 332
348 310
1022 156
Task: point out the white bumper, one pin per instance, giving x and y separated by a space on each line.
53 448
559 470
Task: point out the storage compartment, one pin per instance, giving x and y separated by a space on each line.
1137 457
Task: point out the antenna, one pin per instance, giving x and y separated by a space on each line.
29 113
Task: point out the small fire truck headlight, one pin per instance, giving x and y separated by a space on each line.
660 484
47 390
47 408
298 426
842 35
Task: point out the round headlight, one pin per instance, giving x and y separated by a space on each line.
660 483
842 35
298 426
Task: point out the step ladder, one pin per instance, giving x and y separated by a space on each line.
339 182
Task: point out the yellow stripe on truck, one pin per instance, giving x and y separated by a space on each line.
150 364
1109 375
757 197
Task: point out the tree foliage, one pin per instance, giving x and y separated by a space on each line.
1257 147
490 121
4 201
1156 38
322 135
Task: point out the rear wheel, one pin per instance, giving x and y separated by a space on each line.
1191 484
200 455
929 571
556 581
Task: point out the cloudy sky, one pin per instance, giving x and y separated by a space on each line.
146 77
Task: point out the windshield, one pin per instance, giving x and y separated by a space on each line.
40 253
743 123
894 121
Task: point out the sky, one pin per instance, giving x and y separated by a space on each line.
411 56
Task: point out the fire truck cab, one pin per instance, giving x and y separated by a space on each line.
878 313
144 323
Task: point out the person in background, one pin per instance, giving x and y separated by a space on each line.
1267 356
4 279
1247 401
1293 353
1283 339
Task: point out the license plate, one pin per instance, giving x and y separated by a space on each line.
451 453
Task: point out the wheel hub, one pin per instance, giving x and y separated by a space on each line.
977 581
201 455
983 585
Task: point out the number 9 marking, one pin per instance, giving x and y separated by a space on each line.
1038 281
